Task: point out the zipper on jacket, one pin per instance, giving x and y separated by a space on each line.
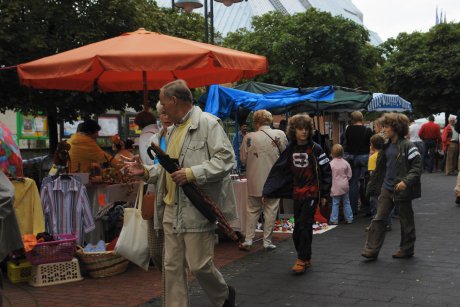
317 173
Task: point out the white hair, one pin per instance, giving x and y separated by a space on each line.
159 107
452 117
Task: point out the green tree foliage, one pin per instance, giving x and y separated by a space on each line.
311 49
32 29
424 68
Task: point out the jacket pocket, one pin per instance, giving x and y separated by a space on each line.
195 145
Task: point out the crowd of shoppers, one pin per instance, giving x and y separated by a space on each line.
394 155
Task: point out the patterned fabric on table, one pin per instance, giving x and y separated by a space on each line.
66 208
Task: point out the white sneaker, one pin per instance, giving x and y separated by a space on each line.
246 246
269 246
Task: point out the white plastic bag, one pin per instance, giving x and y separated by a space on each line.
133 242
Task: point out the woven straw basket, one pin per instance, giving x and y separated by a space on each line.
102 264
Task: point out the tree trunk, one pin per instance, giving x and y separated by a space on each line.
53 129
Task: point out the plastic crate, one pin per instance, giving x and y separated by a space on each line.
55 273
63 249
20 272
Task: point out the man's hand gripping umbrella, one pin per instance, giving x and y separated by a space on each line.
198 198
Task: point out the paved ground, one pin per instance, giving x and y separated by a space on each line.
131 288
339 277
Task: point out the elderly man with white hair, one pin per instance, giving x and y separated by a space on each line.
450 145
259 151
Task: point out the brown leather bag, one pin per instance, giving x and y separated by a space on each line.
148 206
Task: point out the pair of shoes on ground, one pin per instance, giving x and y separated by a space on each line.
398 255
300 266
247 245
231 299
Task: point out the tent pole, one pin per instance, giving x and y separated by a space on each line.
324 122
146 93
318 123
237 135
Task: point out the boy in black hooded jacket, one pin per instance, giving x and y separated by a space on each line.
302 173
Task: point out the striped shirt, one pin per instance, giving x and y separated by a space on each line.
66 208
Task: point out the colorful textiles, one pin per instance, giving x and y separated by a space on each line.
66 207
28 206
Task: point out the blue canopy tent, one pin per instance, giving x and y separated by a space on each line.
388 103
221 100
224 102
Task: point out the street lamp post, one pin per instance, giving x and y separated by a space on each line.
189 5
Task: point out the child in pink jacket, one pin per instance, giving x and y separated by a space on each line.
341 174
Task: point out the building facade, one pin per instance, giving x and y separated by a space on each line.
239 15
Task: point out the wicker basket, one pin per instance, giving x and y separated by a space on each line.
102 264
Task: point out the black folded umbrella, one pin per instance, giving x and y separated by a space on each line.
198 198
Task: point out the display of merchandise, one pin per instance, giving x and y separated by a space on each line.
287 226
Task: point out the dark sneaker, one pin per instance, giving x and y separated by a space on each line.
402 255
388 228
457 200
230 301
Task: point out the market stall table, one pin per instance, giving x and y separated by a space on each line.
240 188
102 195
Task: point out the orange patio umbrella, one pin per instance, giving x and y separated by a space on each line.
140 60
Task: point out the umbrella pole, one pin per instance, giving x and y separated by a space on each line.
146 92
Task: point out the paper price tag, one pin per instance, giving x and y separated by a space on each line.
101 200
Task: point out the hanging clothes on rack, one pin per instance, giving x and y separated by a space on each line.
66 207
28 206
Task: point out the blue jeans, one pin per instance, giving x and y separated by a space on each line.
358 168
347 212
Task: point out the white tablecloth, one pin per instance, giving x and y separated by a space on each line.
240 188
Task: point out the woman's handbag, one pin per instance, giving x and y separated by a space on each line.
133 243
148 206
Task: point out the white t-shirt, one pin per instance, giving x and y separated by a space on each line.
413 133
